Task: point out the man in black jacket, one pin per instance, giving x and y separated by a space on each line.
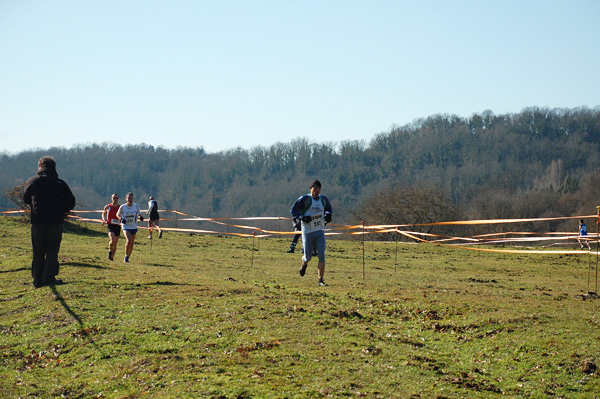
50 199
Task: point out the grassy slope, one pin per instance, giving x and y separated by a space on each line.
205 316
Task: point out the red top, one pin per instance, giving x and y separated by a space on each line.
112 214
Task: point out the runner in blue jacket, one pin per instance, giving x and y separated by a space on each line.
314 210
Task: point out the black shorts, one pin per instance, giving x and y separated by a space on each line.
115 228
154 216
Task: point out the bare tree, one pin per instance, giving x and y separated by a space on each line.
415 205
15 195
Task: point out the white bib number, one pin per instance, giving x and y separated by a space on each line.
316 222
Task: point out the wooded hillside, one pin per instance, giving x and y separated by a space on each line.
539 162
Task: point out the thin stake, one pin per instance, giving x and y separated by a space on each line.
363 248
597 242
396 257
589 271
258 242
253 237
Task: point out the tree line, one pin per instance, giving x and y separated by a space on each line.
539 162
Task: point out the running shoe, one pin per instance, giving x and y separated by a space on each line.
303 269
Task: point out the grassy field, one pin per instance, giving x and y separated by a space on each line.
208 317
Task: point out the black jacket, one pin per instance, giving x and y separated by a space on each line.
50 197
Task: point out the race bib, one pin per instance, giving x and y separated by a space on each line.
316 222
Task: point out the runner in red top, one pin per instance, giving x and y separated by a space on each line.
113 226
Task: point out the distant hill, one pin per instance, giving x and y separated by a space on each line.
537 162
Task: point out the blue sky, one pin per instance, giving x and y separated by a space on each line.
227 74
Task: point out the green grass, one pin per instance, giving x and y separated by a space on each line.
206 316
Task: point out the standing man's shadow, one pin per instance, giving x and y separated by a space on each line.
84 332
64 304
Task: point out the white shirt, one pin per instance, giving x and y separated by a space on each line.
129 215
317 212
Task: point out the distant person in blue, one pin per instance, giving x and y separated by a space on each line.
314 211
583 235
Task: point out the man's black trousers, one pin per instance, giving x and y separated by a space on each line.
45 240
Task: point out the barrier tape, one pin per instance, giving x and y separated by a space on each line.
483 239
512 251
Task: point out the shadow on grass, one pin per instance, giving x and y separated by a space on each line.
170 283
136 286
15 270
78 229
64 305
80 264
83 331
160 265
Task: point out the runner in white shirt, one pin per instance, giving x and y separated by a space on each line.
128 214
